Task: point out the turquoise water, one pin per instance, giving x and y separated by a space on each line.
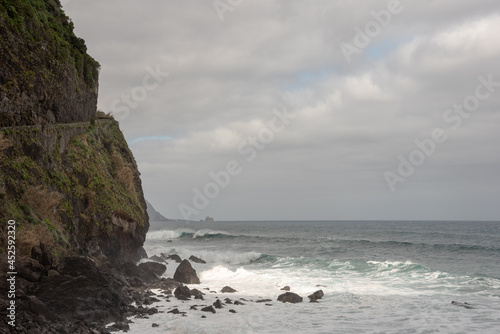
378 277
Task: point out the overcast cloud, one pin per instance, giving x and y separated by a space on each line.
345 121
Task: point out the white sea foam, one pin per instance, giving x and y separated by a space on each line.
167 234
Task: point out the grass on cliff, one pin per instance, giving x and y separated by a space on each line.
65 189
43 24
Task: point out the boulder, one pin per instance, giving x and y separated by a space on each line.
217 304
29 269
209 309
290 297
78 266
315 296
197 294
182 293
154 267
186 274
285 288
156 258
228 289
173 257
197 259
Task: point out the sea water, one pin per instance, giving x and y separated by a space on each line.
377 276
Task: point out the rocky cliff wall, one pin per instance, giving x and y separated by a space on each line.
74 187
46 75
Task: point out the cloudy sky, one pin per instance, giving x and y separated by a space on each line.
294 109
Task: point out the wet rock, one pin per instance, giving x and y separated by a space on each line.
185 273
173 257
285 288
464 305
217 304
290 297
78 266
264 300
197 294
209 309
29 269
155 325
237 302
315 296
121 326
197 259
182 293
154 267
174 311
228 289
232 311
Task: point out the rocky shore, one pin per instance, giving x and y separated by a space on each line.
90 295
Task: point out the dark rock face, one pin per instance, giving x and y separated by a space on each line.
209 309
182 293
39 85
227 289
186 274
315 296
154 267
173 257
196 259
290 297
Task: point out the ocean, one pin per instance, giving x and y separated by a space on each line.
377 276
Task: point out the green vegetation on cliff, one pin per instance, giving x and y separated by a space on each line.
74 187
44 24
46 75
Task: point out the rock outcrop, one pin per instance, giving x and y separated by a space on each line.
46 74
186 274
68 182
290 297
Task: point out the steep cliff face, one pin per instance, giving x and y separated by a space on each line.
68 180
46 75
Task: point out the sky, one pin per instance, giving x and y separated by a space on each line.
304 110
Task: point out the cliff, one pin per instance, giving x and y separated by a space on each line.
70 190
68 180
74 187
46 75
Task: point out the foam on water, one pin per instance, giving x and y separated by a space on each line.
376 278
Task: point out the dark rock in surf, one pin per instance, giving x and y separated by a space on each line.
209 309
186 274
217 304
315 296
182 293
197 259
173 257
228 289
290 297
197 294
464 305
154 267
